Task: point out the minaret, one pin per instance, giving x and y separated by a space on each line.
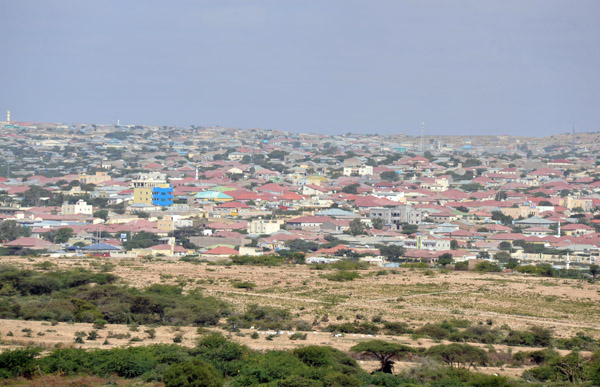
558 230
196 173
8 116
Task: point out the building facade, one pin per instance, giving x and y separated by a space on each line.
396 216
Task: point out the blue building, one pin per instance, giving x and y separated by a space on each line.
162 196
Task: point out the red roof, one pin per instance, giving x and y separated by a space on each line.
221 250
310 219
577 227
30 242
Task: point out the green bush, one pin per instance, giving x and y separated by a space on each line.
487 267
348 264
341 276
460 355
244 285
18 362
193 373
396 328
265 317
298 336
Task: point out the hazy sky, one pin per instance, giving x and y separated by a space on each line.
329 66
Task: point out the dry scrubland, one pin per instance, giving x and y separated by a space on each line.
414 296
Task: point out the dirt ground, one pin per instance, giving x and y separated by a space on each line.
408 295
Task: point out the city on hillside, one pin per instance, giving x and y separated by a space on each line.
212 193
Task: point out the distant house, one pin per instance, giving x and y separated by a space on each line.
221 251
311 223
32 243
534 222
578 229
214 196
98 178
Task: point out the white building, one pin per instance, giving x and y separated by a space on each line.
358 170
81 207
263 227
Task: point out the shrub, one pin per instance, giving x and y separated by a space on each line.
265 317
93 335
18 362
193 373
396 328
487 267
244 285
341 276
348 264
366 328
461 355
298 336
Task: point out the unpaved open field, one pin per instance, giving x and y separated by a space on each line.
408 295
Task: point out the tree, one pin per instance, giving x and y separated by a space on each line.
454 244
445 259
357 227
389 176
141 240
461 355
501 195
502 256
301 245
486 267
471 162
505 245
409 228
392 252
594 270
382 351
351 189
193 373
504 219
10 230
471 187
62 235
377 223
33 196
88 187
102 214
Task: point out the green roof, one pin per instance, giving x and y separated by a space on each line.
212 195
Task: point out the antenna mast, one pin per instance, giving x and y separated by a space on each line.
573 143
422 133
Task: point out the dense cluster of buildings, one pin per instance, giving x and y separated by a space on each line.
220 191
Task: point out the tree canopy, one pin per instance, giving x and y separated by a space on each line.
383 351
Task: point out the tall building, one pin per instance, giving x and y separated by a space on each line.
395 216
152 189
162 196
